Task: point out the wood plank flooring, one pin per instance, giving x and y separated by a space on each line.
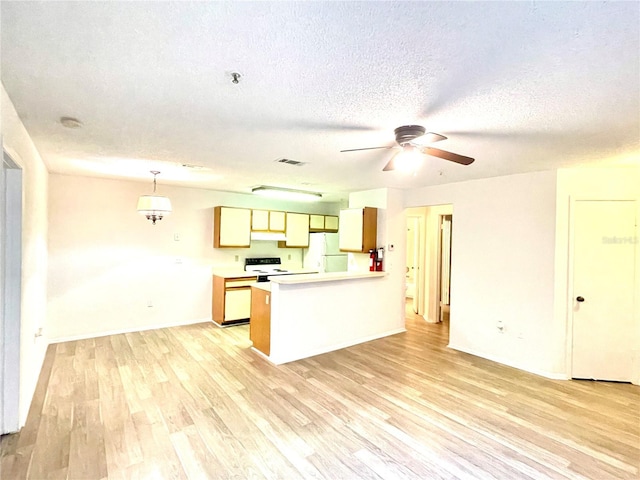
195 402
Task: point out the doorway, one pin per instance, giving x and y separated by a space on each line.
413 248
444 268
10 293
429 234
604 258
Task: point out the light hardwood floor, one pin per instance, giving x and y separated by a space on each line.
195 402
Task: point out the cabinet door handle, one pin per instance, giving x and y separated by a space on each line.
580 299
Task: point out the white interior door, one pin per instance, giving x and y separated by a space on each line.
604 249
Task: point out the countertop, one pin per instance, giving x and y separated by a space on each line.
324 277
232 273
240 273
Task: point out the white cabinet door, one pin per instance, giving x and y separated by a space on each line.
237 304
297 230
277 221
351 222
259 220
235 227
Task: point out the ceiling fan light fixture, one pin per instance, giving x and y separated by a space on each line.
408 160
286 193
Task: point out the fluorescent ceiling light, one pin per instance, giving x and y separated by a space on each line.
287 193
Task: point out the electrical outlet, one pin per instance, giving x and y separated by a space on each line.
500 326
289 257
237 257
176 237
150 303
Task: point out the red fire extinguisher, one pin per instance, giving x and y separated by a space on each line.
379 260
372 260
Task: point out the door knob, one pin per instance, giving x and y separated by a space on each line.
580 299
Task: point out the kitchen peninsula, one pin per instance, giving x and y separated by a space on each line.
299 316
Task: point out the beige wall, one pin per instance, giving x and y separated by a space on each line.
18 145
503 251
107 263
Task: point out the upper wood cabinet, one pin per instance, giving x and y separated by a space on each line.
231 227
259 220
316 223
267 221
277 221
358 229
323 223
297 231
330 223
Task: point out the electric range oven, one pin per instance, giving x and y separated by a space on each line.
265 267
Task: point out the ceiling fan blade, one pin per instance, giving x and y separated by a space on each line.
368 148
452 157
391 165
429 137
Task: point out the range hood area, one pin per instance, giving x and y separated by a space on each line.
268 236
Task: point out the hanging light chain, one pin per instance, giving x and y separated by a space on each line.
154 172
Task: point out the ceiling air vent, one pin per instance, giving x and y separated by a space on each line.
290 162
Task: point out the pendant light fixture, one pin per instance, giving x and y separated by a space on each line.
154 207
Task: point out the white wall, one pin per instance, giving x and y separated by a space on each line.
621 183
391 231
503 252
17 143
107 263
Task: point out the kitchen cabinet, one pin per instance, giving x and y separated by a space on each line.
231 227
316 223
277 221
231 299
358 229
330 223
323 223
267 221
297 231
260 325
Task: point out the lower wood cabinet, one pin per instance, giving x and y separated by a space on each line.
231 299
260 325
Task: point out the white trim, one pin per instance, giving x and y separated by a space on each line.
493 358
85 336
10 292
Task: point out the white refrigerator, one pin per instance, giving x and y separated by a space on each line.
324 254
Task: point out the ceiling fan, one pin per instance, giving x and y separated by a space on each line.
409 158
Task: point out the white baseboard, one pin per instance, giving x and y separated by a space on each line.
84 336
493 358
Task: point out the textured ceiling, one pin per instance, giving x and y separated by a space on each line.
520 86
